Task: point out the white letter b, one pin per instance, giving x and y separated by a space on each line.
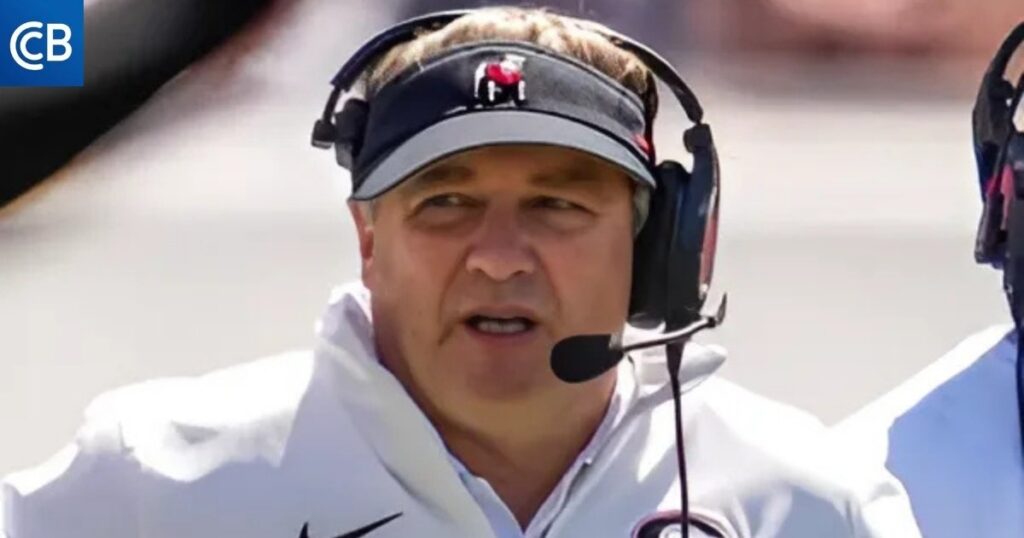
64 42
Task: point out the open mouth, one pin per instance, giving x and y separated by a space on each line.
500 326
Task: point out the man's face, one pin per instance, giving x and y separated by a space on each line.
479 264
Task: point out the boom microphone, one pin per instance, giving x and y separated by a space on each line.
581 358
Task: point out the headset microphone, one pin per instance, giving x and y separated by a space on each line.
581 358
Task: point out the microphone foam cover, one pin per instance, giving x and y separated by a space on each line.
581 358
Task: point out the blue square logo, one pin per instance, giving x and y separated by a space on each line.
42 42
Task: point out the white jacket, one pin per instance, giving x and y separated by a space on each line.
951 435
331 439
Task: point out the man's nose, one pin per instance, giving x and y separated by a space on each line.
501 249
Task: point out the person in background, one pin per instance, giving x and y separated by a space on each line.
953 433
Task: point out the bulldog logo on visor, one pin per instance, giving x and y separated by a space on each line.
500 81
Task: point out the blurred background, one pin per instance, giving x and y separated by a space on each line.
170 217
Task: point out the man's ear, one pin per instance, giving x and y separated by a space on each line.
361 216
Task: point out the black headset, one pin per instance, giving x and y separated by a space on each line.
674 251
999 151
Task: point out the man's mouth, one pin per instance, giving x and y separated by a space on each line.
500 325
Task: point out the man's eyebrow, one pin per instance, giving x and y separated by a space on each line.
567 177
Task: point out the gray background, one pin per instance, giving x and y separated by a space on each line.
204 231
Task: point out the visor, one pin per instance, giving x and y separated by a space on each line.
488 94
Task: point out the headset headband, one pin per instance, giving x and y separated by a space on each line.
992 116
371 51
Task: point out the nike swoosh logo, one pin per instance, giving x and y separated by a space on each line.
361 531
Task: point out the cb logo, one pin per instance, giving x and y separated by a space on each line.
42 43
57 38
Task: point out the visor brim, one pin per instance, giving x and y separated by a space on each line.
497 127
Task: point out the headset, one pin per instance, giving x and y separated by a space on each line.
673 252
999 151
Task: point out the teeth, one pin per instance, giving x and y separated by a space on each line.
500 326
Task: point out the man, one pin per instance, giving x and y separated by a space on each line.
953 433
429 406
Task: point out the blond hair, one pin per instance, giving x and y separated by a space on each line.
582 40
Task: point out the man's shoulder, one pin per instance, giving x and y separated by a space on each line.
279 374
753 414
159 432
232 397
173 424
786 470
953 427
974 372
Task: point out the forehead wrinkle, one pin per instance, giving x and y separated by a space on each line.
577 176
565 175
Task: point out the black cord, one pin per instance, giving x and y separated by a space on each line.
674 354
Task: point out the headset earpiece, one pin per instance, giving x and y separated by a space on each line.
1015 163
674 253
997 148
651 250
698 229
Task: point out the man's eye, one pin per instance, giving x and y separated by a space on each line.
445 200
556 203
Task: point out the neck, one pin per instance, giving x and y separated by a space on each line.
524 453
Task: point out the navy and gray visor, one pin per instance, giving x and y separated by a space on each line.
497 93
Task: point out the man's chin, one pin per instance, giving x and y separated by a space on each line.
499 378
504 389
